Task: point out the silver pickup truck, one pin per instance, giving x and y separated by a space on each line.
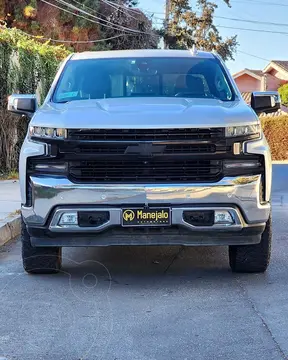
146 147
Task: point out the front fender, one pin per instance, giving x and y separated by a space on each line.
261 147
29 149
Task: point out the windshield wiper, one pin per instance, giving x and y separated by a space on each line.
62 102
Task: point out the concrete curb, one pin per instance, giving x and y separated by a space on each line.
10 229
280 162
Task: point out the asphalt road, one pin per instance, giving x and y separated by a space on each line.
148 303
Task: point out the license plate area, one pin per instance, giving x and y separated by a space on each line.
146 217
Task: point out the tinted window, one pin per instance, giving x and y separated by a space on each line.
142 77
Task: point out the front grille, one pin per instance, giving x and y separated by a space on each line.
144 155
163 156
145 170
144 134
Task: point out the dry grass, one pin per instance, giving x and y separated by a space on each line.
16 212
11 175
276 132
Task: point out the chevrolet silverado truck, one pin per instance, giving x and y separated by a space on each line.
145 147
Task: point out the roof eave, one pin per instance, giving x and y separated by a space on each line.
247 72
276 66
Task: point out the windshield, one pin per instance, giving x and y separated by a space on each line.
143 77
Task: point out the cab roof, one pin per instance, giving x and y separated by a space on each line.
140 53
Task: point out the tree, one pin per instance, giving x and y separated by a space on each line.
188 27
87 20
142 35
283 91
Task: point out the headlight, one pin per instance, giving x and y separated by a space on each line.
245 130
45 132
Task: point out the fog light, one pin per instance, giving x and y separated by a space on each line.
68 219
223 217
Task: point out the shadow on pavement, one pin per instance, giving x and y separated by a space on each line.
147 262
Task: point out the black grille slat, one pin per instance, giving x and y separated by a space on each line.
190 149
145 134
101 149
106 149
148 170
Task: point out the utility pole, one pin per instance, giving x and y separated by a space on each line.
166 22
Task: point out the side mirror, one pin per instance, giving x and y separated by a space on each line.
265 102
22 104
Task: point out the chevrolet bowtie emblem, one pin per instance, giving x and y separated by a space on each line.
145 149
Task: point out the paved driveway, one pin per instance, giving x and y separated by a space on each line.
148 303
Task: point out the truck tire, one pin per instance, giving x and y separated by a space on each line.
39 260
252 258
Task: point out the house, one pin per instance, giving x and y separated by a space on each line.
271 78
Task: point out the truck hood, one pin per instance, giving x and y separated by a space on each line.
150 113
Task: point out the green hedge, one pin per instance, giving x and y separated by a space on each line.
26 65
25 62
283 91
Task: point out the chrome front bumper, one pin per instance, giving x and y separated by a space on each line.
241 193
115 219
